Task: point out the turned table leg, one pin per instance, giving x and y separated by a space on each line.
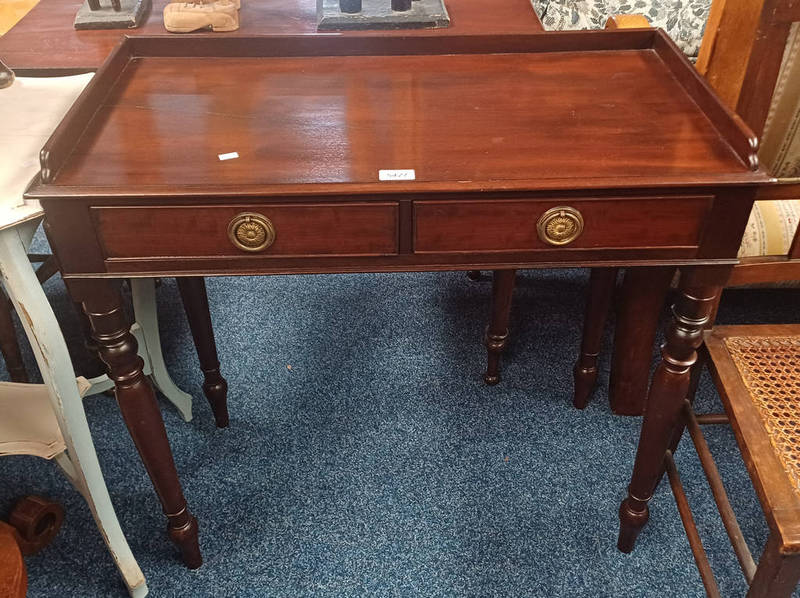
602 282
195 303
642 298
668 390
474 275
137 402
694 377
497 331
94 366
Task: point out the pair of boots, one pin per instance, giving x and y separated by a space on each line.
216 15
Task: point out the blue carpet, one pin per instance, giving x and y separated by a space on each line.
379 464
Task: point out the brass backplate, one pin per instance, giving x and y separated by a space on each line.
250 231
560 225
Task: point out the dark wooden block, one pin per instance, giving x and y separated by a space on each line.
382 14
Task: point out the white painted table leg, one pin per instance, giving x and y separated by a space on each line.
143 291
54 363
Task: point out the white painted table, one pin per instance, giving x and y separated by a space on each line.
48 419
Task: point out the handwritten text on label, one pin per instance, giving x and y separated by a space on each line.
397 175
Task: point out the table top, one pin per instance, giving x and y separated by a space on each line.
46 39
457 112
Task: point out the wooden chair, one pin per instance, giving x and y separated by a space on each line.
756 370
751 57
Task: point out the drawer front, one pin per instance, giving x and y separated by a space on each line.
531 225
287 230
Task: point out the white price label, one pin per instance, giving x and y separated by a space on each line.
397 175
228 156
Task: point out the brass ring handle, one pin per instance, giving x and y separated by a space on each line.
560 225
251 232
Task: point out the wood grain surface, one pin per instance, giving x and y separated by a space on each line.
329 123
46 39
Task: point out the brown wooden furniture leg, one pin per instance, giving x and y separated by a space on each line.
137 402
694 379
33 523
643 293
37 521
48 267
195 303
13 576
777 574
602 282
665 400
497 331
88 340
9 344
94 365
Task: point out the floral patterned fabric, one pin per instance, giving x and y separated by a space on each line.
771 228
683 20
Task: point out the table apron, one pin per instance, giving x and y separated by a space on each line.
159 237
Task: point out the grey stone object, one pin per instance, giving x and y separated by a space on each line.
131 15
378 14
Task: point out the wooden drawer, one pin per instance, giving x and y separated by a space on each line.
302 230
511 225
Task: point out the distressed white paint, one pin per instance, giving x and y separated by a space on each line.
57 428
144 310
79 460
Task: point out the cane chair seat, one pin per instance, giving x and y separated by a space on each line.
769 367
757 373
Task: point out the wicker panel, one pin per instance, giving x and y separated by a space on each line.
770 369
